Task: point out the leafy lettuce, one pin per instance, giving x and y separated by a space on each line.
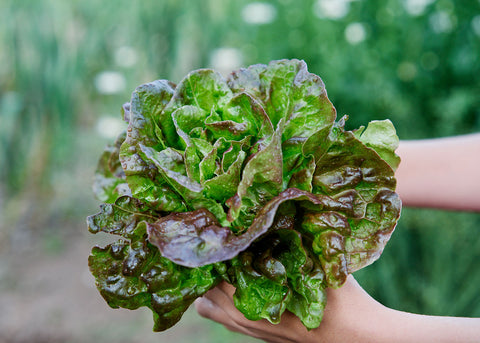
248 179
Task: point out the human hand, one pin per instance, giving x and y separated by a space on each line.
348 317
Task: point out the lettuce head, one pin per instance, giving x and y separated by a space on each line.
249 179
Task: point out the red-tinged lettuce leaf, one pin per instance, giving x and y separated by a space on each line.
350 164
302 174
231 153
136 275
300 156
196 238
371 234
110 180
146 104
170 164
342 243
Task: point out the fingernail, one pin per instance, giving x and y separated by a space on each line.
204 302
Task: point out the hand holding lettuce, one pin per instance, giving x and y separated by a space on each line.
247 179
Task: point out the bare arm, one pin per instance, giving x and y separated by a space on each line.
351 315
440 173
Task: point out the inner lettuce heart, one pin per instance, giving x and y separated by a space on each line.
250 179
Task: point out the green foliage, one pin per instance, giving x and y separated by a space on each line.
417 67
270 129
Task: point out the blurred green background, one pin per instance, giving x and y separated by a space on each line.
66 67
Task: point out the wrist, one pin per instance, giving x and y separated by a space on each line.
351 315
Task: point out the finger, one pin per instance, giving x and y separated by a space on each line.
221 312
221 297
208 309
226 288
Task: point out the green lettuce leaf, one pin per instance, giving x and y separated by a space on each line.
260 296
110 180
136 275
381 136
121 218
147 102
276 274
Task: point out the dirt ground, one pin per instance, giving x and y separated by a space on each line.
48 295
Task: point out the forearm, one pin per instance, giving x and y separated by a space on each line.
402 327
379 324
440 173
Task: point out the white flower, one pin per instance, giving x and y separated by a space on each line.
259 13
355 33
110 82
